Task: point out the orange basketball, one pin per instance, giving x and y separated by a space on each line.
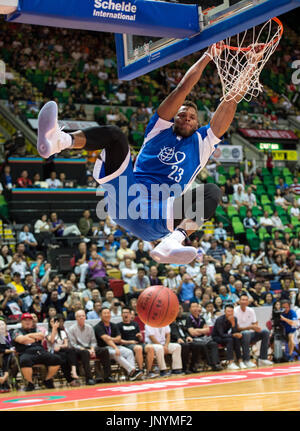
157 306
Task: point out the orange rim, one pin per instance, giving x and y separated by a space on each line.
272 42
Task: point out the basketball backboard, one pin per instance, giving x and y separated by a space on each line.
138 55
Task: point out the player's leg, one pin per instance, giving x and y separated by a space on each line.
52 140
190 211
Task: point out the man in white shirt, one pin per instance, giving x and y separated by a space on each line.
128 271
160 338
248 326
250 198
53 182
266 222
193 269
294 211
238 198
277 221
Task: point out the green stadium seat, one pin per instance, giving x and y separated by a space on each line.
286 172
243 211
257 180
256 212
294 221
265 200
288 180
263 234
237 226
232 211
222 180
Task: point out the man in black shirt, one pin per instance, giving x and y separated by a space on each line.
132 339
180 334
28 344
108 335
225 332
199 331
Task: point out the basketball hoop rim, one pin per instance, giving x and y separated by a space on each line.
272 42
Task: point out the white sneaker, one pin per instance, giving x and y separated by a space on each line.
171 250
264 362
51 139
232 366
242 365
250 364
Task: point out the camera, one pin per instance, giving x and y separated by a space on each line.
117 304
277 322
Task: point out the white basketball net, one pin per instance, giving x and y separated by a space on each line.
239 65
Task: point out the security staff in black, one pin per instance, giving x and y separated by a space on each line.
27 342
199 331
180 334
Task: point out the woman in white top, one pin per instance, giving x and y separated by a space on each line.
247 259
58 343
6 259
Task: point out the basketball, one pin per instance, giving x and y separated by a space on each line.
157 306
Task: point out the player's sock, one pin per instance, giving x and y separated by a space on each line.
51 139
171 250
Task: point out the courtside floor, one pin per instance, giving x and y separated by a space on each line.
273 388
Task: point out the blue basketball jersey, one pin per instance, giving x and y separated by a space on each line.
166 158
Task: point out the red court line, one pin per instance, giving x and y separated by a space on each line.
105 391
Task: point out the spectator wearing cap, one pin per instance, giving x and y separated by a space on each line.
138 283
28 343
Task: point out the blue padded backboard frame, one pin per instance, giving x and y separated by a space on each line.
139 17
228 27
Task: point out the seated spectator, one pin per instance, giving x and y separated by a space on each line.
138 283
279 267
58 343
186 289
82 339
91 182
153 276
269 300
85 224
250 222
220 233
24 181
171 281
251 333
125 252
280 200
290 322
5 258
53 300
233 257
142 256
73 304
250 198
266 222
160 339
199 331
209 314
109 297
116 308
67 184
59 229
225 332
218 304
17 285
27 341
11 306
82 257
29 240
110 256
239 197
295 187
129 270
19 265
247 258
6 181
216 254
257 294
8 360
42 231
96 312
97 272
226 296
38 308
38 183
108 337
87 294
295 211
132 339
53 182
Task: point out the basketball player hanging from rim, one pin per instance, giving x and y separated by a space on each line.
174 151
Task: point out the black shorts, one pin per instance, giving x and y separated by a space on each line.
40 357
132 346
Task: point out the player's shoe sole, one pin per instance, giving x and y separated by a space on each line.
181 255
47 129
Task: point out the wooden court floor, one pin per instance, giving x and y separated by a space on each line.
276 393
